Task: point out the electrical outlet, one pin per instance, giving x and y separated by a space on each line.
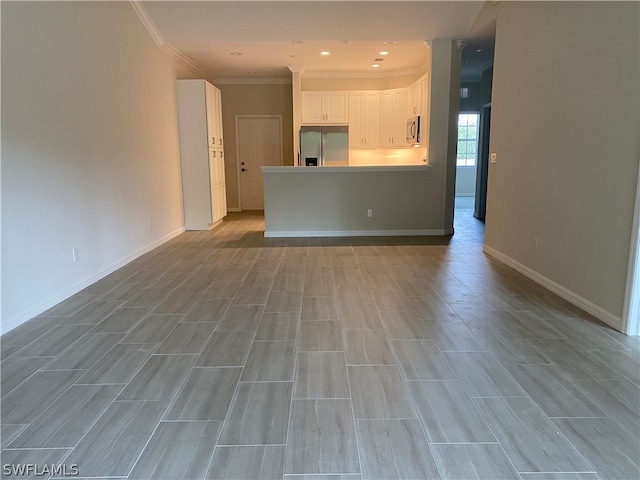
493 158
535 244
369 213
76 255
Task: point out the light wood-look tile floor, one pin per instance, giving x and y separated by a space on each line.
224 355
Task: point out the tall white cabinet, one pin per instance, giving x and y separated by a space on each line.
201 154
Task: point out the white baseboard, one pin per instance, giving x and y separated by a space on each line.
353 233
17 320
570 296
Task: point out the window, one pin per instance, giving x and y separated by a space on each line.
468 127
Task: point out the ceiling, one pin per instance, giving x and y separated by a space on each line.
262 39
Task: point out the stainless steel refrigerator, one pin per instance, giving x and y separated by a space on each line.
324 146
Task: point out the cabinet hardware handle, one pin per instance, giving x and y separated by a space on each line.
244 169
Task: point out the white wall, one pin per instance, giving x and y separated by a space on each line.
443 125
566 132
89 148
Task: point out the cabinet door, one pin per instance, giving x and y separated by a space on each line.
411 100
214 116
312 107
386 118
210 105
218 117
399 118
417 100
357 119
336 108
218 187
371 116
393 120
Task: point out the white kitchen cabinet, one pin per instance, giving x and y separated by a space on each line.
324 108
364 119
214 115
393 119
414 98
201 154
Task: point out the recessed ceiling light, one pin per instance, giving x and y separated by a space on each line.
324 52
375 65
383 53
345 42
390 42
235 54
297 41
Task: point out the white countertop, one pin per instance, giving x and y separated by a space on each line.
350 169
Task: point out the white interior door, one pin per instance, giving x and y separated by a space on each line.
259 144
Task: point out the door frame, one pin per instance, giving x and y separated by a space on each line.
238 161
631 312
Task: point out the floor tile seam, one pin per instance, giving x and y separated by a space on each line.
6 449
560 472
463 443
170 401
233 445
353 413
54 401
223 422
293 390
582 417
4 394
204 344
559 433
97 418
265 381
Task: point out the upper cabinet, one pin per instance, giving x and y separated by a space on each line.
376 118
214 115
364 119
325 108
415 94
393 118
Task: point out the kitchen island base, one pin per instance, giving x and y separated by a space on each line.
352 201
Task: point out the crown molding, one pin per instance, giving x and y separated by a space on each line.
160 42
148 23
181 57
395 73
251 81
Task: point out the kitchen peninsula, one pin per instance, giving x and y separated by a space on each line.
352 201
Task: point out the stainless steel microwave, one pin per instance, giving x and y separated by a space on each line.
413 130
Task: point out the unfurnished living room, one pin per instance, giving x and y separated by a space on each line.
320 240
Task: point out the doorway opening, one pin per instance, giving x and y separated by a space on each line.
467 159
631 313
